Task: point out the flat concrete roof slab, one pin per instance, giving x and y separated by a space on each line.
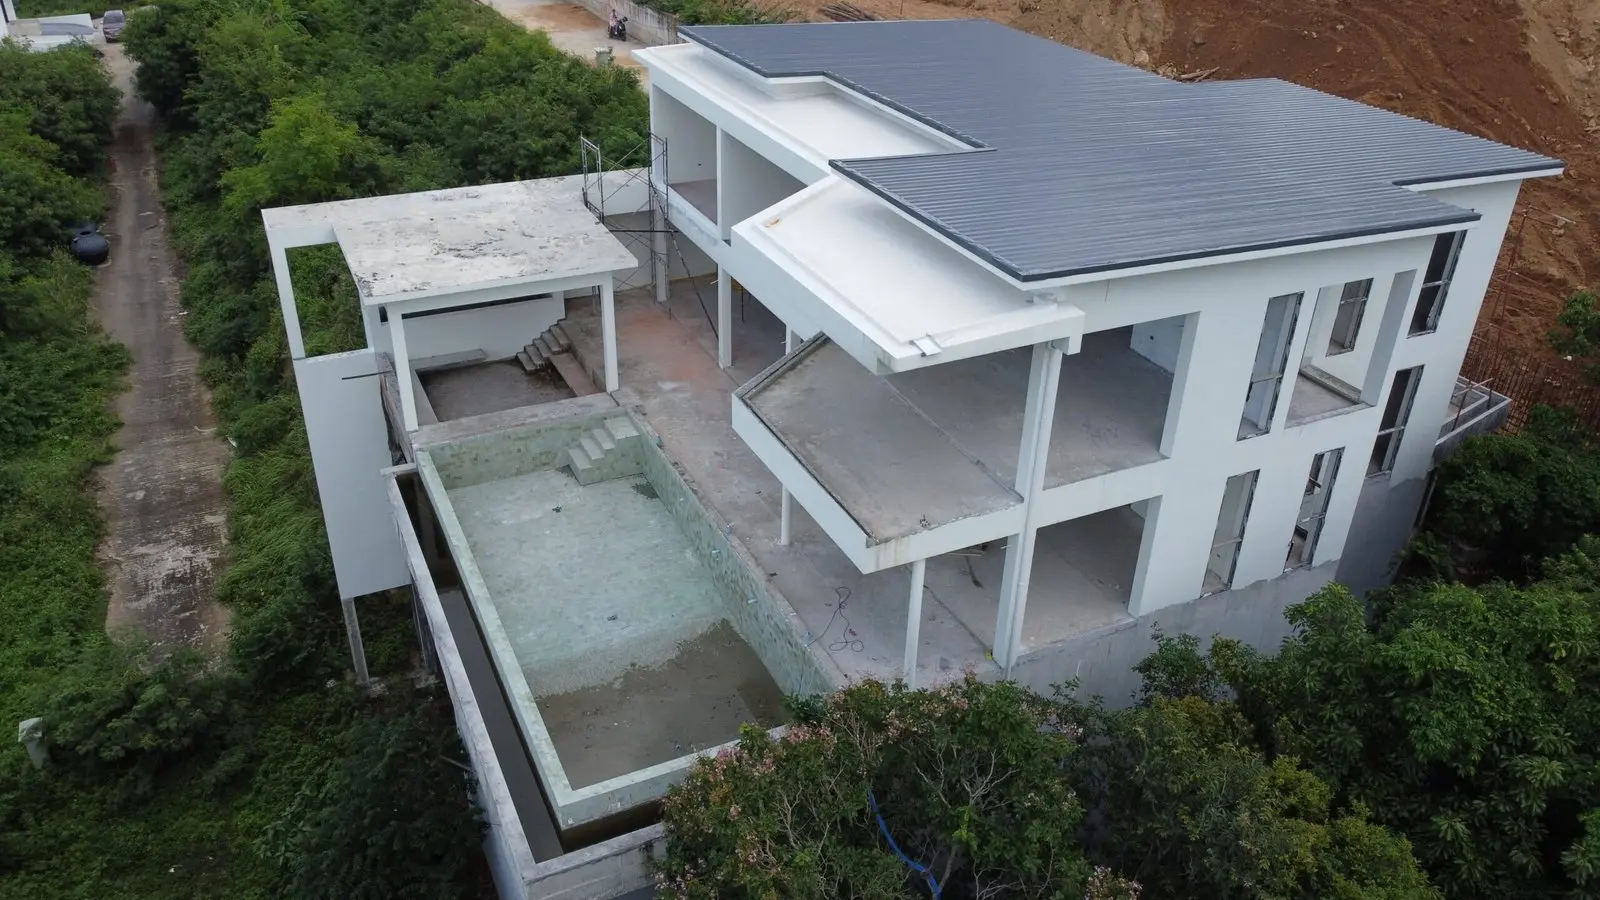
893 470
437 243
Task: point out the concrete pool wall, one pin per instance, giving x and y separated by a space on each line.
763 620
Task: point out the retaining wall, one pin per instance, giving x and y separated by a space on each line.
646 25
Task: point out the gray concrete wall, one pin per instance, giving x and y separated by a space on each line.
1382 526
645 25
1102 661
763 618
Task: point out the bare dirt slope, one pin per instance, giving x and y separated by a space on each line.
1523 72
1518 73
162 493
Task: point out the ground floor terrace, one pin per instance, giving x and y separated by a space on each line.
1083 569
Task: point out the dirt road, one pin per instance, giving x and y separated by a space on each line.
572 28
162 494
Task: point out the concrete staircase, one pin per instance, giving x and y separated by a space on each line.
537 355
606 452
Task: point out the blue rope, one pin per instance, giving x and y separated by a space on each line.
919 868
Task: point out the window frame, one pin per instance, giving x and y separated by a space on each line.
1323 477
1341 343
1431 297
1390 436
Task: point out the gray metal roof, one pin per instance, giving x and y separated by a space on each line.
1081 164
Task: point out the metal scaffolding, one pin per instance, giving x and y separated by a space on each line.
607 183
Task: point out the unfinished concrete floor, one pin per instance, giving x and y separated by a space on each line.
489 387
1111 408
1312 400
1082 579
587 581
653 714
670 376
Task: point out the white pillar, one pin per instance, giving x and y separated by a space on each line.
783 522
1044 379
919 571
358 651
402 371
784 528
371 322
608 328
660 261
724 318
291 313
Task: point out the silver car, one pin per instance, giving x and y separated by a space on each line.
113 24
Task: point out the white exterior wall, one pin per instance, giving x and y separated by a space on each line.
747 183
499 331
1204 324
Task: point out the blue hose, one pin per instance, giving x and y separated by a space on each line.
919 868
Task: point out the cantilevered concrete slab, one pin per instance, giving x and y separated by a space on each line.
438 243
895 472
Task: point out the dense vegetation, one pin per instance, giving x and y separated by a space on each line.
266 774
1441 738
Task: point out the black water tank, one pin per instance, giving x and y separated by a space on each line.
89 246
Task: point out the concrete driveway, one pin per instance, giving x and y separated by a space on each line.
572 28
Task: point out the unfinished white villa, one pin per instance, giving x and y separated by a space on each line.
904 348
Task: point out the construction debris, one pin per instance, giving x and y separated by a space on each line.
847 12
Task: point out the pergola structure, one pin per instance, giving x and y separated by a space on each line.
456 249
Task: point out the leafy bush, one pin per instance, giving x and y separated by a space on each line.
1464 718
1506 502
67 101
351 835
114 714
1182 803
966 778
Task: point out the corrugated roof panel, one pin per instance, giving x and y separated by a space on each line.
1081 164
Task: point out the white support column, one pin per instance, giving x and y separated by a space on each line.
919 570
291 313
1044 380
660 247
358 650
402 371
371 323
724 318
790 339
608 328
784 533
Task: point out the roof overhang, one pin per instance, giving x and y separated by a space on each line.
888 292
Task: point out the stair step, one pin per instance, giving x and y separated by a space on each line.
621 429
528 365
604 439
544 346
558 337
593 448
579 460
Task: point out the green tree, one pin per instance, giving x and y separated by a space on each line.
1577 332
966 778
1506 502
67 99
1466 718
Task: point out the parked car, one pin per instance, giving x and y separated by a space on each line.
113 24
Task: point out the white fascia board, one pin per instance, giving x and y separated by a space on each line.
507 291
947 538
1425 187
827 512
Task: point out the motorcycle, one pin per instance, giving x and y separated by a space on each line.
618 29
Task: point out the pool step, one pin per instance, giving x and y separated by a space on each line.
602 453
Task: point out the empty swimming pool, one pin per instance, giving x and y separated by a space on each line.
626 629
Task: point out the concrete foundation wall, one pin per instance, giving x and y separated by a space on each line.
499 331
1383 525
1102 661
765 621
506 454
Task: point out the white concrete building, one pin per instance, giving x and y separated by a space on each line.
1012 355
1041 292
48 32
